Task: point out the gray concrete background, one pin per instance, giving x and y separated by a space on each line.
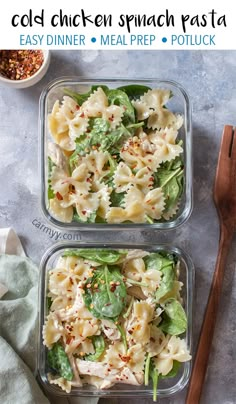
210 79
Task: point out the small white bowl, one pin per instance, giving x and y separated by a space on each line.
31 80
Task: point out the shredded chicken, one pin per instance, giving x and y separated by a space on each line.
57 156
112 375
137 292
73 365
110 330
132 254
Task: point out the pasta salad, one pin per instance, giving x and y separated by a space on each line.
114 316
115 156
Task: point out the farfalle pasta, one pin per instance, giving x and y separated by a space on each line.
111 151
114 316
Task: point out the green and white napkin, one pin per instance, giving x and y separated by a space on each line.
18 327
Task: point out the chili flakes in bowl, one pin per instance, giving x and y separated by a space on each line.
20 64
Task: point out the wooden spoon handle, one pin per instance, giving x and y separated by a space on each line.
207 331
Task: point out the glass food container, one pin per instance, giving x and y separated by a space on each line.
178 103
166 387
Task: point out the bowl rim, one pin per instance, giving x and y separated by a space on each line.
74 226
46 55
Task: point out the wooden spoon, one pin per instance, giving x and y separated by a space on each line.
225 201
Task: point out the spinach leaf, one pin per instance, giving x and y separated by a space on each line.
174 318
51 194
159 261
119 97
99 346
103 256
149 220
80 98
105 293
58 360
167 282
96 137
166 264
99 125
113 163
147 369
155 376
134 91
132 127
173 372
123 336
108 179
170 177
115 139
86 219
106 141
117 199
151 372
48 303
81 145
100 219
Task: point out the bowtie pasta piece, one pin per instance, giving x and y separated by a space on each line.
164 142
53 330
65 215
124 178
64 384
153 202
63 184
97 107
175 349
139 153
96 163
66 123
151 105
168 214
133 213
157 341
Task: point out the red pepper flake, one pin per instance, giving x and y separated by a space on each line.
20 64
152 339
84 212
77 107
59 196
82 115
124 358
69 339
113 288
